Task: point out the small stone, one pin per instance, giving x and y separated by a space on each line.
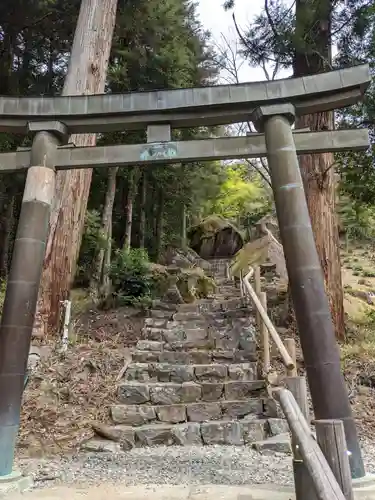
182 373
200 357
272 409
211 372
98 445
195 334
242 389
154 435
132 414
245 356
145 356
242 371
173 357
133 393
137 371
165 394
211 391
226 343
277 426
173 414
173 295
160 372
149 345
161 313
122 434
279 444
186 316
154 334
252 430
191 344
175 335
187 434
246 340
222 433
222 356
201 412
190 392
240 409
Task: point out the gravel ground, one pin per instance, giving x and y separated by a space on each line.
220 465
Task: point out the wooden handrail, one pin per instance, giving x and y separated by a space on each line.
287 360
324 481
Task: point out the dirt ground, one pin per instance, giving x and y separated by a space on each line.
67 393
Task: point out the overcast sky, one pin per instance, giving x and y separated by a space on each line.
215 19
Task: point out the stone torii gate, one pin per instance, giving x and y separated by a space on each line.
272 106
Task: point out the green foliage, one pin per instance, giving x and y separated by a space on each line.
130 276
357 219
241 198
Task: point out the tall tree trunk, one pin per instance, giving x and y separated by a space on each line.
183 226
130 196
86 75
142 210
158 234
6 225
313 24
106 229
106 280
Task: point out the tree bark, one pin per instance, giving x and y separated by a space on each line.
313 21
86 75
158 234
142 214
106 280
6 225
106 231
183 226
130 195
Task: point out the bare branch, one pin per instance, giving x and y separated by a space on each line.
270 20
246 44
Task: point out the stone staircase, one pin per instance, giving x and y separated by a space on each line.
194 380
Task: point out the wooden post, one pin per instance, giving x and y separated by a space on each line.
258 289
302 481
290 345
331 439
265 335
272 330
322 478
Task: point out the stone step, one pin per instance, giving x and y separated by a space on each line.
165 330
165 372
200 339
207 305
168 393
217 432
136 415
195 356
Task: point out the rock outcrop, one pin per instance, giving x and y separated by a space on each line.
215 238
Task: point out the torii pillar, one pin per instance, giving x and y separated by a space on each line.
321 354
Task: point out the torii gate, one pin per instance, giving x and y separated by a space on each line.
272 106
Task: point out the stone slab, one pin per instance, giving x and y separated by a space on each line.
15 482
119 491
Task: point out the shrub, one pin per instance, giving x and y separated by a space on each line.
130 276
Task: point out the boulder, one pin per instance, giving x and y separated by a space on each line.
215 237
